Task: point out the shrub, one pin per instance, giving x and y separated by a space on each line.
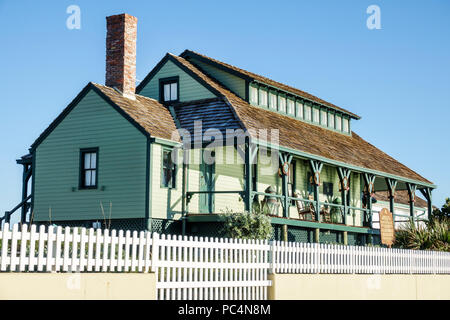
247 225
434 235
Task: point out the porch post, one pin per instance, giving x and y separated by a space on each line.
344 175
412 198
184 190
369 179
391 184
428 196
316 167
285 161
25 178
251 152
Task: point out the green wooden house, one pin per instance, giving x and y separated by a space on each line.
118 156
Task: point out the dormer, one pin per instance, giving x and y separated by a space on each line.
298 107
265 93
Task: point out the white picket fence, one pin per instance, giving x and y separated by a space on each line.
199 268
294 257
64 250
210 268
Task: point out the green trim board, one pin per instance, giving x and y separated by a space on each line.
148 179
289 222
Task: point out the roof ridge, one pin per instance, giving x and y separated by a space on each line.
136 94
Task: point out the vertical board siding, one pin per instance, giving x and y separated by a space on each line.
228 177
189 88
121 166
234 83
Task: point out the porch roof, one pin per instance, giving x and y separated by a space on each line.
401 196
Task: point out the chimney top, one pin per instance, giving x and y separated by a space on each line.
121 53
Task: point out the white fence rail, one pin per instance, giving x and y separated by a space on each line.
294 257
199 268
202 268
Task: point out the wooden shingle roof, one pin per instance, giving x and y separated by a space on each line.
308 138
256 77
151 115
401 196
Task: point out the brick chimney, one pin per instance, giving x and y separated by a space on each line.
121 53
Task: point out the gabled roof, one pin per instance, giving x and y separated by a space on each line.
250 76
307 138
148 115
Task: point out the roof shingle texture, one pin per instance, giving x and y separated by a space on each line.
308 138
151 115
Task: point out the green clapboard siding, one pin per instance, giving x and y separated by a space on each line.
122 166
190 89
235 84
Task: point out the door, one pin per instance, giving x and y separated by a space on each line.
206 200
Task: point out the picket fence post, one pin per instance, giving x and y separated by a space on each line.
155 252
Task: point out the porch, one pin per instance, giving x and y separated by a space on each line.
321 199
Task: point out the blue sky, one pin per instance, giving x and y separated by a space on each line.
396 78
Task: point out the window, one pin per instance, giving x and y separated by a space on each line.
345 126
316 115
331 120
168 89
323 117
290 107
307 113
273 101
299 111
88 168
282 104
253 95
262 97
338 123
168 173
328 189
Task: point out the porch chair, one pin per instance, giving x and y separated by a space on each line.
305 210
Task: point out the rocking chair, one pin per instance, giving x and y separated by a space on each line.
305 210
